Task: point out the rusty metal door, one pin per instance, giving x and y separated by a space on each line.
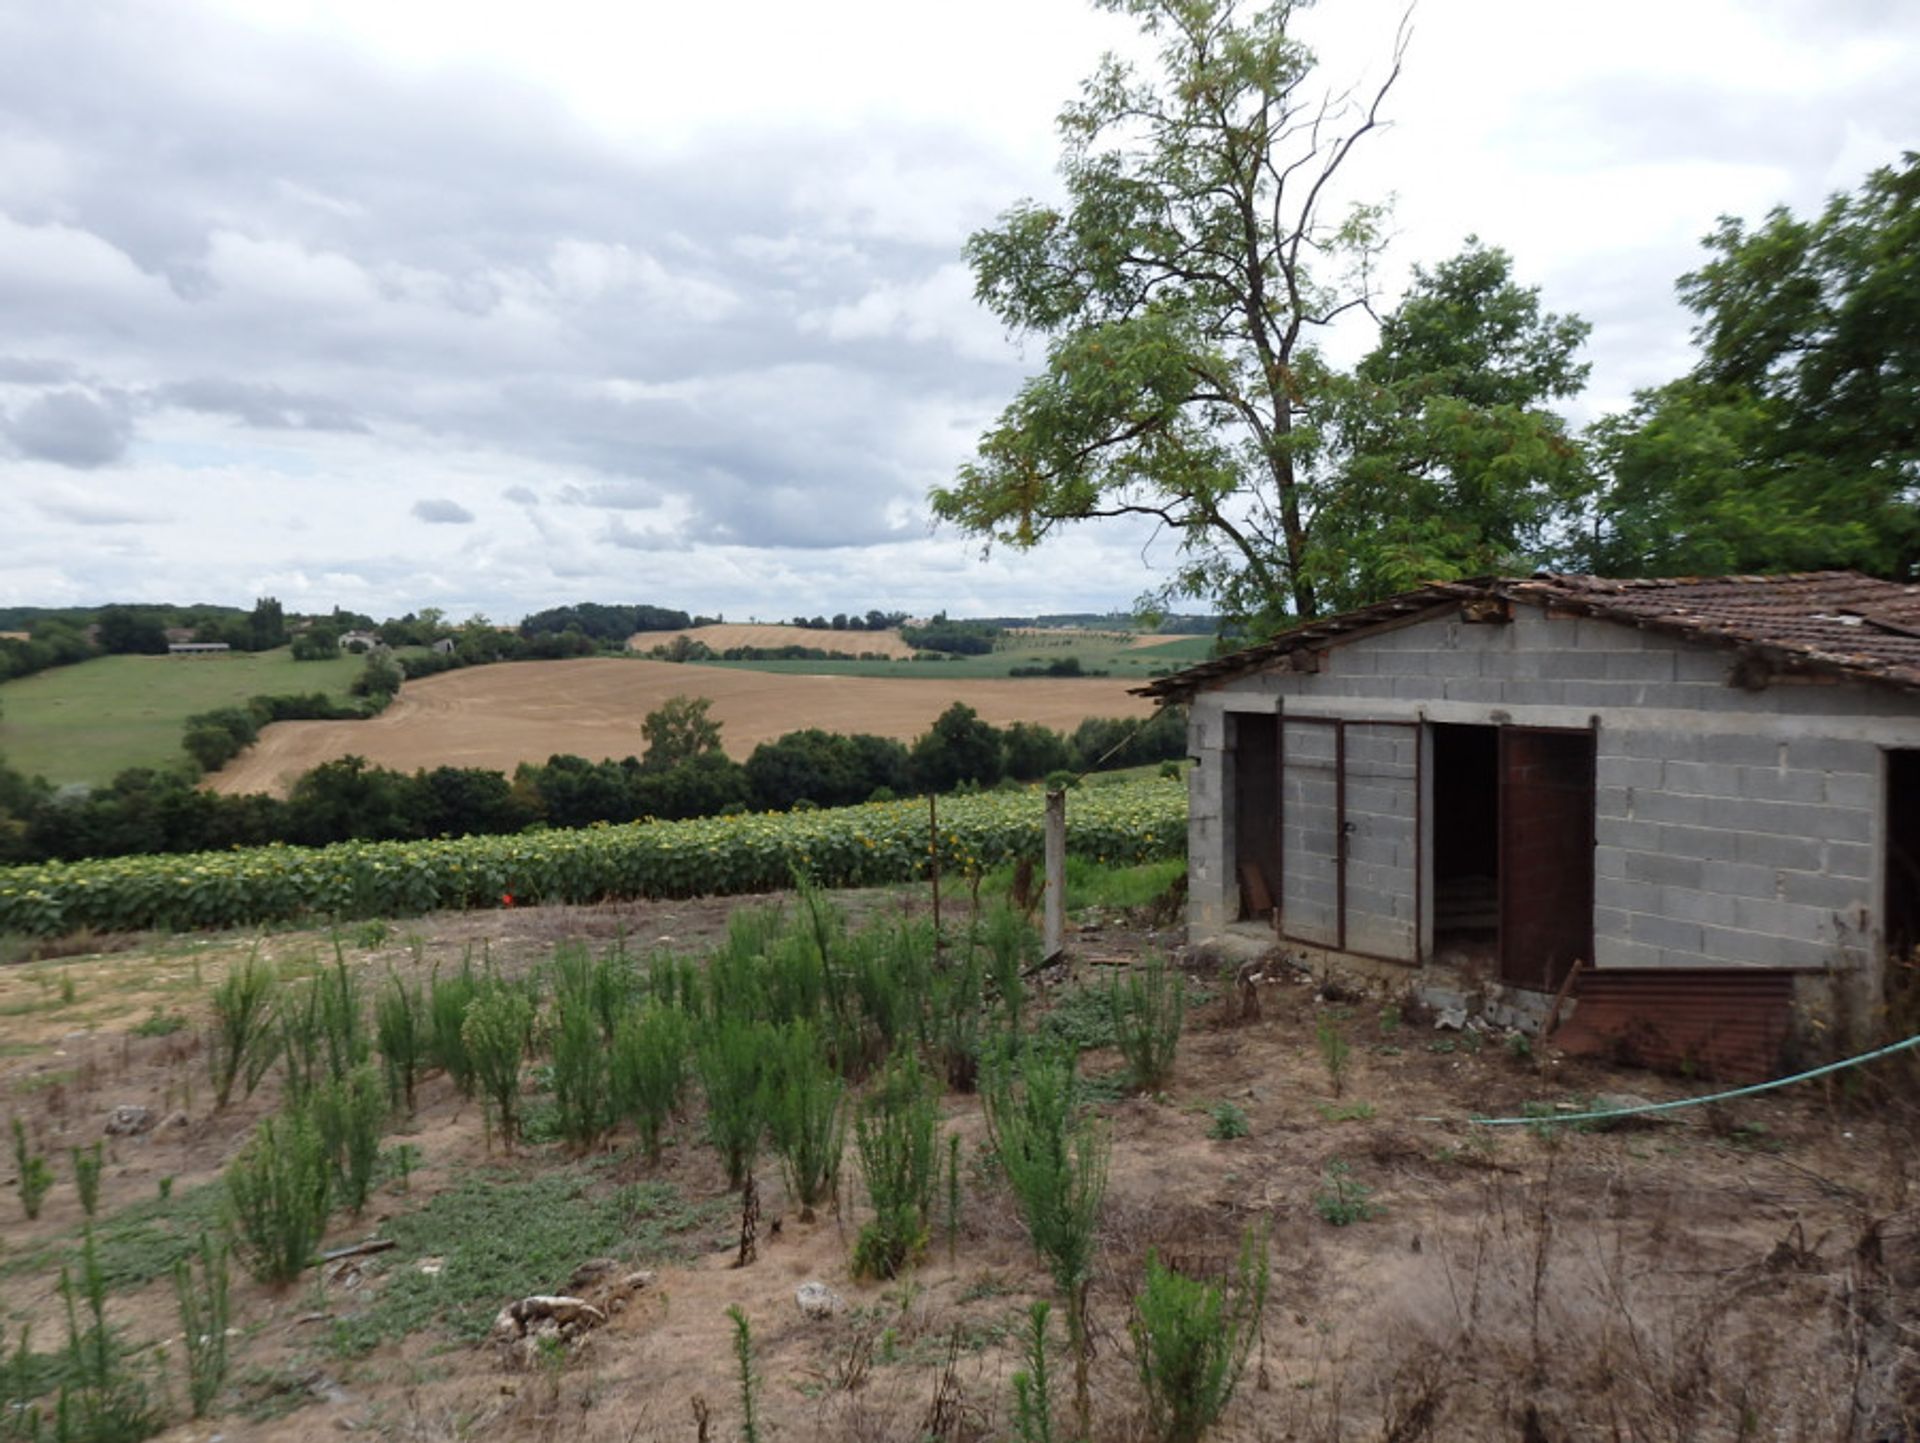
1546 854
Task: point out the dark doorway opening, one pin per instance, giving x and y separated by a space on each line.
1902 869
1466 846
1256 832
1546 854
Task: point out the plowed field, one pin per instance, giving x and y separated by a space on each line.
499 716
722 635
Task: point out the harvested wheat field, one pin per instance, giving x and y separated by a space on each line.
499 716
724 634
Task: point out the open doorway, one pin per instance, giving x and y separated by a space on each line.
1466 846
1253 746
1902 864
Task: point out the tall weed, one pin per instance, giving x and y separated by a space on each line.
400 1024
203 1323
894 1137
806 1117
1149 1007
278 1190
496 1032
349 1113
101 1399
649 1065
447 1001
582 1081
243 1040
731 1058
1192 1338
31 1168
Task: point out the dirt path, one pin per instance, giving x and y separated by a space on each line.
500 716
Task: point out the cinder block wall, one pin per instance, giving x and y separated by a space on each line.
1732 826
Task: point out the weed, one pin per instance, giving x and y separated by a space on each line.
495 1034
87 1165
805 1116
68 993
100 1400
1519 1047
243 1040
1080 1020
743 1357
1192 1339
953 1196
1343 1200
1012 946
956 999
1335 1052
1351 1112
894 1137
35 1176
278 1190
400 1026
731 1058
582 1081
1056 1164
1389 1019
1229 1122
447 1001
343 1029
160 1024
649 1066
1148 1008
203 1323
348 1114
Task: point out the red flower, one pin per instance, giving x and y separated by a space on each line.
506 899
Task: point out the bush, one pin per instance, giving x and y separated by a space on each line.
893 1132
805 1117
650 1069
1335 1051
203 1323
1342 1199
100 1400
278 1190
1148 1007
400 1025
447 1000
731 1058
35 1176
1229 1122
87 1165
349 1112
1191 1341
242 1042
496 1030
582 1084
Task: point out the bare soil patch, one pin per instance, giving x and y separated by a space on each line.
1746 1272
499 716
722 635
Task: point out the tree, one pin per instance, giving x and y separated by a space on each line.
1182 289
959 747
266 625
679 731
1443 460
1794 443
126 630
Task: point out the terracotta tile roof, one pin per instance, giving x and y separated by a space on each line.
1836 623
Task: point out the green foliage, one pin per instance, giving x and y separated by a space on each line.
1012 946
242 1040
87 1165
278 1190
101 1400
1229 1121
849 847
805 1116
349 1113
649 1068
203 1323
1335 1051
1342 1199
496 1032
957 1004
1191 1341
678 731
401 1027
1032 1385
34 1174
1790 446
447 1002
732 1057
749 1384
1149 1007
893 1130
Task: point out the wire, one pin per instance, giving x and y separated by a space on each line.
1557 1119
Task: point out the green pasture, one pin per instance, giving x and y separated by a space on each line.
89 722
1116 659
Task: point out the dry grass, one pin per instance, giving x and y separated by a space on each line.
722 635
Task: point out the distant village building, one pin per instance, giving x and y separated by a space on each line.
444 646
197 648
178 634
358 641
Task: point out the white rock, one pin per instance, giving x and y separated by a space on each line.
817 1300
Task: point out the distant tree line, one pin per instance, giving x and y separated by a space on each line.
845 621
682 773
960 638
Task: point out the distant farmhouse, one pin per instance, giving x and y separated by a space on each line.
197 648
358 641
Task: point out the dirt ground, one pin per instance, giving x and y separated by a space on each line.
722 635
1748 1271
499 716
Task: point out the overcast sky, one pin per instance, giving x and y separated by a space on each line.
496 306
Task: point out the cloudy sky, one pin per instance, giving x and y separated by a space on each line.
495 305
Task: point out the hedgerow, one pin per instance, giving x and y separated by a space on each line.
874 844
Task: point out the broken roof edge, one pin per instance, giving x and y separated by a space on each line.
1598 597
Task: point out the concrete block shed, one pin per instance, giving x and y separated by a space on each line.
1705 791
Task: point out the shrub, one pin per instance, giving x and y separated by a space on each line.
1032 1386
36 1177
242 1042
956 999
447 1001
1056 1165
1229 1122
87 1164
731 1058
495 1032
582 1090
343 1027
278 1189
1148 1007
100 1400
203 1323
649 1065
400 1025
894 1136
348 1112
805 1117
1191 1340
1012 946
1335 1051
1342 1200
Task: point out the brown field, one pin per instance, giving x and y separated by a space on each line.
724 634
500 716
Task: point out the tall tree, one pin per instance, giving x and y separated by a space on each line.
1795 440
1182 288
679 731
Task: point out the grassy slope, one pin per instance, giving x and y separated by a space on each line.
1140 662
88 722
